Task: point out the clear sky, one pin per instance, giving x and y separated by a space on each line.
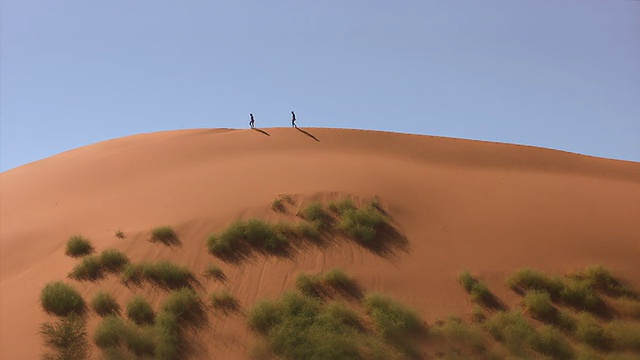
557 74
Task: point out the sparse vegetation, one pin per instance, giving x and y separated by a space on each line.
342 206
89 269
186 305
310 285
113 260
392 319
224 302
334 281
214 272
624 335
316 213
66 338
139 311
165 235
538 302
479 292
61 299
278 206
163 274
590 332
599 278
363 225
78 246
580 296
528 279
104 304
456 331
110 332
511 329
241 236
549 341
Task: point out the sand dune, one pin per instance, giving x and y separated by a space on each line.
487 207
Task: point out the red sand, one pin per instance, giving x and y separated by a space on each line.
463 205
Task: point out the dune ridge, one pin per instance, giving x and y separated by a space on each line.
488 207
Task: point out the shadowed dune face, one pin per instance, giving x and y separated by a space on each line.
488 207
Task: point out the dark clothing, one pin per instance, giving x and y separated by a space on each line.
293 119
251 122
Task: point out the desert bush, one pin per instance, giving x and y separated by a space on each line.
538 302
139 311
338 280
341 313
61 299
315 212
89 269
78 246
165 235
477 314
453 329
300 327
224 301
254 233
342 206
549 341
362 225
392 319
310 285
186 305
627 307
141 341
467 281
66 338
110 332
113 260
163 274
581 296
624 335
600 278
588 331
214 272
104 304
511 329
169 337
528 279
480 293
278 206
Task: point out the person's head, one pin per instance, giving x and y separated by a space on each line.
250 114
292 112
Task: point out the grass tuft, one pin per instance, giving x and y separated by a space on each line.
78 246
363 225
214 272
242 236
113 260
61 299
110 332
316 213
186 305
549 341
278 206
165 235
66 338
581 296
538 302
588 331
392 319
139 311
310 285
90 268
104 304
528 279
224 302
600 278
163 274
342 206
511 329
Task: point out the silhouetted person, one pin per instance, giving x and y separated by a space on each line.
251 122
293 120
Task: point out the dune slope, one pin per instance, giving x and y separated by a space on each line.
486 207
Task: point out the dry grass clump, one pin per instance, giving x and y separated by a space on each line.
61 299
333 282
139 311
94 267
66 339
165 235
214 272
163 274
78 246
529 279
186 306
104 304
243 236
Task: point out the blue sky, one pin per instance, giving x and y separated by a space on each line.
557 74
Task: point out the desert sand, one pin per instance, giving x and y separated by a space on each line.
489 208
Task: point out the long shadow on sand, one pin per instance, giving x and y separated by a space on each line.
308 134
261 131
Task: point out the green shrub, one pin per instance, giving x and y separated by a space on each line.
104 304
110 332
261 235
624 335
342 206
511 329
467 281
310 285
89 269
477 314
528 279
338 280
538 302
163 274
252 233
392 319
186 305
315 212
113 260
363 225
165 235
61 299
139 311
341 313
169 337
264 316
141 341
214 272
278 206
480 293
224 301
601 279
551 342
628 307
78 246
454 330
590 332
66 338
581 296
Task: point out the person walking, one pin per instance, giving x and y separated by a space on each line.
252 121
293 120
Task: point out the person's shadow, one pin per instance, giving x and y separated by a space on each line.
262 131
308 134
